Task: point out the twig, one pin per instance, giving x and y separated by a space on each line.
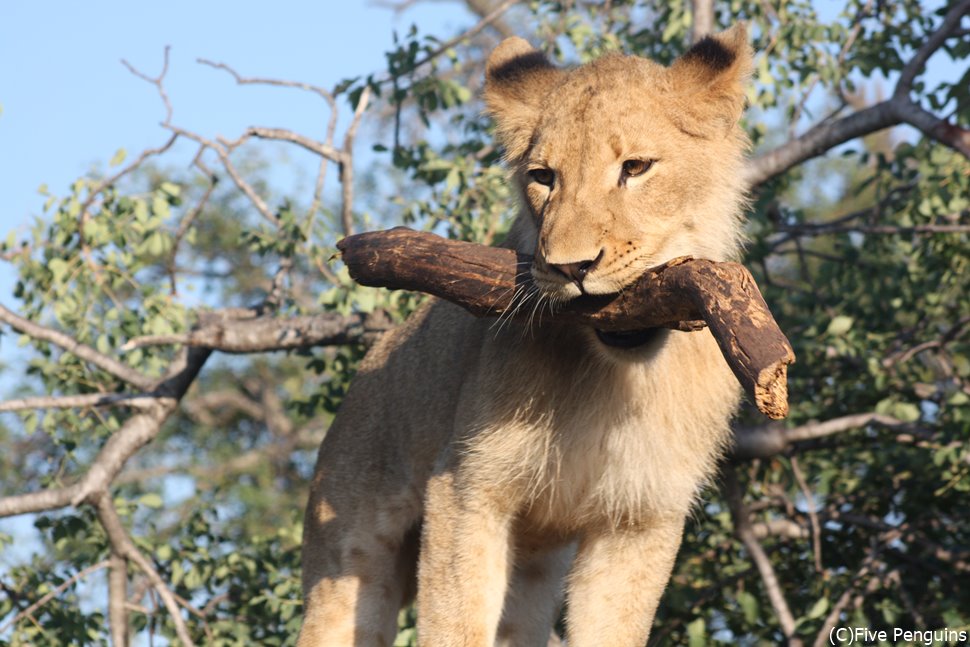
123 545
189 219
812 514
494 15
318 148
742 528
134 400
82 351
242 80
158 81
60 588
824 229
823 637
260 334
347 166
771 439
138 430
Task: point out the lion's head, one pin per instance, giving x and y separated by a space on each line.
622 163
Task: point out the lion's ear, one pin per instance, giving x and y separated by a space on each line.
517 79
709 81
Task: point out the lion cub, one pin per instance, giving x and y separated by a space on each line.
499 468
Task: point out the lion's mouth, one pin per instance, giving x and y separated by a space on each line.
627 338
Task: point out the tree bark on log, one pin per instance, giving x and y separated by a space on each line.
683 294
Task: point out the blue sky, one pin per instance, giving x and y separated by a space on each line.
68 103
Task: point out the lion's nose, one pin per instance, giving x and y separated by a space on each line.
578 270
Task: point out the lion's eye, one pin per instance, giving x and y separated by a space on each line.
636 167
543 176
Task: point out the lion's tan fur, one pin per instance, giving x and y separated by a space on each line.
530 458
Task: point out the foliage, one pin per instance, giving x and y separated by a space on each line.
863 257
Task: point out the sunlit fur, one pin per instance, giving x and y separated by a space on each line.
530 458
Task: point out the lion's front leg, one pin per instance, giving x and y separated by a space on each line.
616 583
463 567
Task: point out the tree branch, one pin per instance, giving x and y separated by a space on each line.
158 81
702 19
137 431
257 334
281 134
135 401
742 528
69 344
53 593
117 600
891 112
843 603
771 439
492 16
347 165
122 544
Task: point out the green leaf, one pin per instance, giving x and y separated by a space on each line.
151 500
749 606
839 325
118 157
170 188
818 609
697 633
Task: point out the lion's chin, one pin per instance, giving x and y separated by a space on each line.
628 338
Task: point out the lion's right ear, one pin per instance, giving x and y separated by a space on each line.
517 79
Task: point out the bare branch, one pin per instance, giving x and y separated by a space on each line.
69 344
702 22
318 148
347 166
135 400
262 333
242 80
771 439
222 149
824 229
53 593
810 506
122 544
742 528
189 219
117 600
785 528
158 81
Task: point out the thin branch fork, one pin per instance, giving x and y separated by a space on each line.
898 109
134 434
123 546
684 294
255 334
743 530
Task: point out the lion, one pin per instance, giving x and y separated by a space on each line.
492 470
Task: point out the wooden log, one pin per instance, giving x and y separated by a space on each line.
683 294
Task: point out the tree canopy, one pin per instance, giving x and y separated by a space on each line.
188 334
